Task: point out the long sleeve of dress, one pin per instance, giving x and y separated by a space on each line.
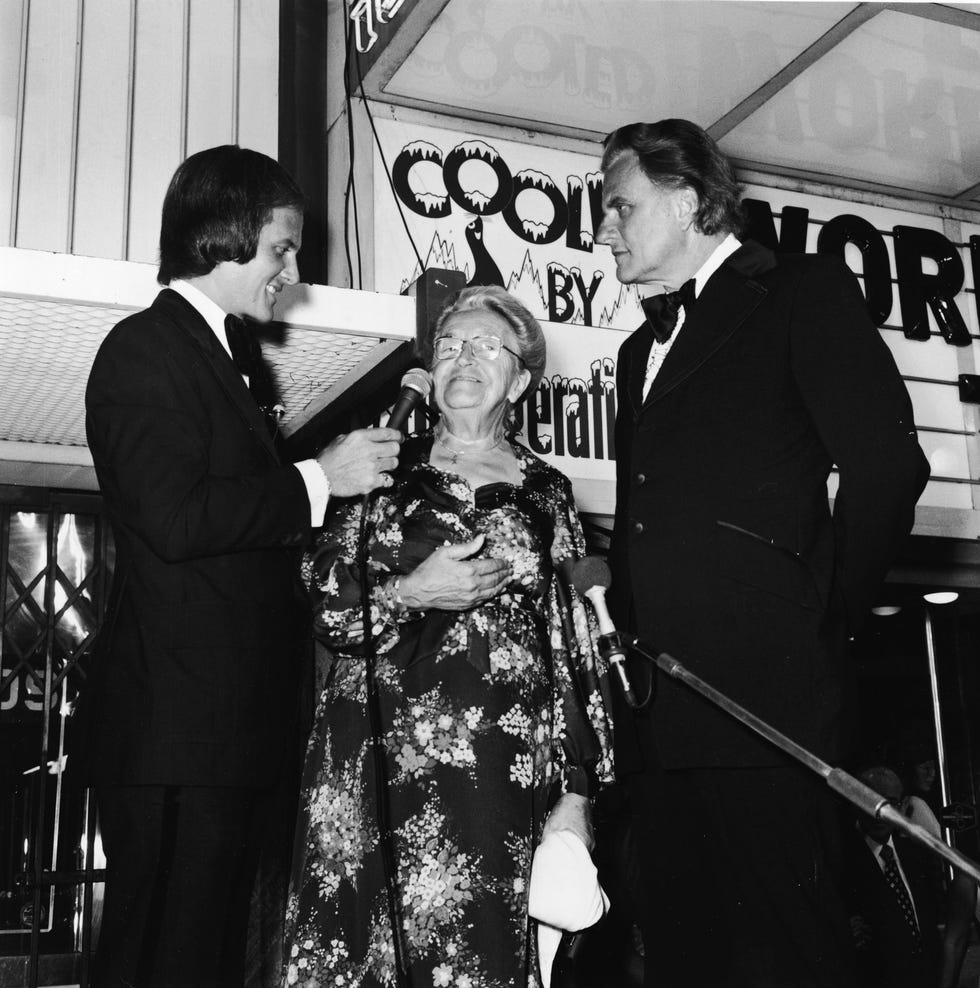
336 580
582 727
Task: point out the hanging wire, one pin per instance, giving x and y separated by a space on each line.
350 193
384 163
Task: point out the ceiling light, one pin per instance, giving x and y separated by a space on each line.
940 597
886 610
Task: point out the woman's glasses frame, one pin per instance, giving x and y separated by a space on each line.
482 347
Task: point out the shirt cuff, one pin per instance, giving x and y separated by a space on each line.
577 781
317 489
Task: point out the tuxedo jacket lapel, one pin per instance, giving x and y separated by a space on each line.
731 295
201 336
636 352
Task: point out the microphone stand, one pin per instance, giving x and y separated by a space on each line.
856 792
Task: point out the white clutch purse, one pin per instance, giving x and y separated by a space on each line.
565 893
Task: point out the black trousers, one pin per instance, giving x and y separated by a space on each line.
740 879
180 865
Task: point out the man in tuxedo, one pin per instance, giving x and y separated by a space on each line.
190 715
894 892
737 396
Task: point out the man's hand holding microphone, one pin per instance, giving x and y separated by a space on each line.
362 460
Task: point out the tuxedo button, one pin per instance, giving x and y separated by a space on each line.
641 479
638 527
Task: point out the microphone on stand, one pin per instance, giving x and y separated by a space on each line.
591 578
416 385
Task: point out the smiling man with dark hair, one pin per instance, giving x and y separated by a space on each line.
189 719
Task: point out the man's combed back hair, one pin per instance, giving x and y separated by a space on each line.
215 207
676 154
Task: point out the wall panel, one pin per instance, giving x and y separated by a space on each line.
211 74
86 155
103 129
158 119
11 19
48 126
258 77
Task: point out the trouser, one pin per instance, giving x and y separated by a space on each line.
740 879
180 865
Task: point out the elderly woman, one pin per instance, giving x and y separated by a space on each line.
488 685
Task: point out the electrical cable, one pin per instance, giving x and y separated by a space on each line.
350 193
384 164
385 836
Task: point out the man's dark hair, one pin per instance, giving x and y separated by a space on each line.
215 207
675 154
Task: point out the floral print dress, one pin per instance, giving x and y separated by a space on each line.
487 715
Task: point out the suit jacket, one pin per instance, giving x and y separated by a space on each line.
887 959
197 670
724 551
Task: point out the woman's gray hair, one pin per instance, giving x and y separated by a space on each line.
493 298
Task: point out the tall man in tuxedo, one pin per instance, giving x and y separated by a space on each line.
190 716
726 555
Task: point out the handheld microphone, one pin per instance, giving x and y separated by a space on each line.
416 385
591 578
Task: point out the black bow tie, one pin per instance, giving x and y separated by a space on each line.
242 345
247 356
662 310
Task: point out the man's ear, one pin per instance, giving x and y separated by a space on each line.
686 204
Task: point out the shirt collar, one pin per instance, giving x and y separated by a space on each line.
721 253
876 846
210 311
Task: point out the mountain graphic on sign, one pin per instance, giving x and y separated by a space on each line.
526 286
628 298
441 254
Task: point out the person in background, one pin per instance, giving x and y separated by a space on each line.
915 760
895 895
961 902
490 691
189 719
753 375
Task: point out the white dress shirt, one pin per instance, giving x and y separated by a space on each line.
875 848
659 351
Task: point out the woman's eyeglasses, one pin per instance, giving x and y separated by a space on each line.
482 347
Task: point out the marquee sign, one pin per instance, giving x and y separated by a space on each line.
524 216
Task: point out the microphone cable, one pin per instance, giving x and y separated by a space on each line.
386 844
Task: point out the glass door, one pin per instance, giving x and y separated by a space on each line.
55 556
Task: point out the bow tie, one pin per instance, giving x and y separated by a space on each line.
242 345
247 356
662 310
